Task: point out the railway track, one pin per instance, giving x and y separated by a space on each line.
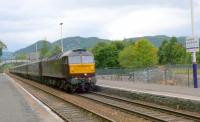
71 112
151 112
67 111
74 108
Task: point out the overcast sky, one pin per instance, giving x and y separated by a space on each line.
23 22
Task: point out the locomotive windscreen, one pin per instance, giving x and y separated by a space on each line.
87 59
74 60
81 59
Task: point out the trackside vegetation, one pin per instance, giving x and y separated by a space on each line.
140 53
44 52
129 54
2 46
106 54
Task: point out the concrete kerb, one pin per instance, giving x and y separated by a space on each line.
173 102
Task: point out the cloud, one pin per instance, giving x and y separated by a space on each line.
23 22
148 22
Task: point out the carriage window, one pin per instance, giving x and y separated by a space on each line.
87 59
74 60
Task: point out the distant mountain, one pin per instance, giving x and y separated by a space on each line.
157 40
79 42
6 55
32 48
69 43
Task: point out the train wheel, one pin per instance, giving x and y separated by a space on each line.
57 84
72 90
62 85
92 87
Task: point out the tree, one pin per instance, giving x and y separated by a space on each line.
162 52
172 52
45 52
188 58
141 54
106 54
2 46
5 67
56 50
21 56
98 52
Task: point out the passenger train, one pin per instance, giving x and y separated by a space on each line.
71 71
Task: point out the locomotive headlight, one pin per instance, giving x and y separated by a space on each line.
85 74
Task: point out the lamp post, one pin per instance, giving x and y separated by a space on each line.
194 52
36 48
61 40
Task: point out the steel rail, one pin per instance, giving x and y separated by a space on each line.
135 112
54 110
167 110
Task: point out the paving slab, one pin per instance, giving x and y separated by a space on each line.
164 90
17 105
176 97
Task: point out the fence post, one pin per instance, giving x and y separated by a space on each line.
148 79
165 76
188 75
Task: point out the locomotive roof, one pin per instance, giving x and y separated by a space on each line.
76 52
69 53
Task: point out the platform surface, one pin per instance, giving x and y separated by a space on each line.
17 105
163 90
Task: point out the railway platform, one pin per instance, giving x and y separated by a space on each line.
17 105
155 89
172 96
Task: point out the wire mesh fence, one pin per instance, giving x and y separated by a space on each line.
180 75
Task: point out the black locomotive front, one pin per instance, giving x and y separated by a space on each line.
71 71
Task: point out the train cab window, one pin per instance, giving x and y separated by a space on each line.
74 59
87 59
64 60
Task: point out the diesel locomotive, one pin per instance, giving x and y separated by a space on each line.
71 71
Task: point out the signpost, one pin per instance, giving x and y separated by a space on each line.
192 45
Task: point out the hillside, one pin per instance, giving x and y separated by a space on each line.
6 55
32 47
69 43
81 42
157 40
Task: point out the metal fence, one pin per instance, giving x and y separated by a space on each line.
180 75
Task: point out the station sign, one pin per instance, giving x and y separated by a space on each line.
192 44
